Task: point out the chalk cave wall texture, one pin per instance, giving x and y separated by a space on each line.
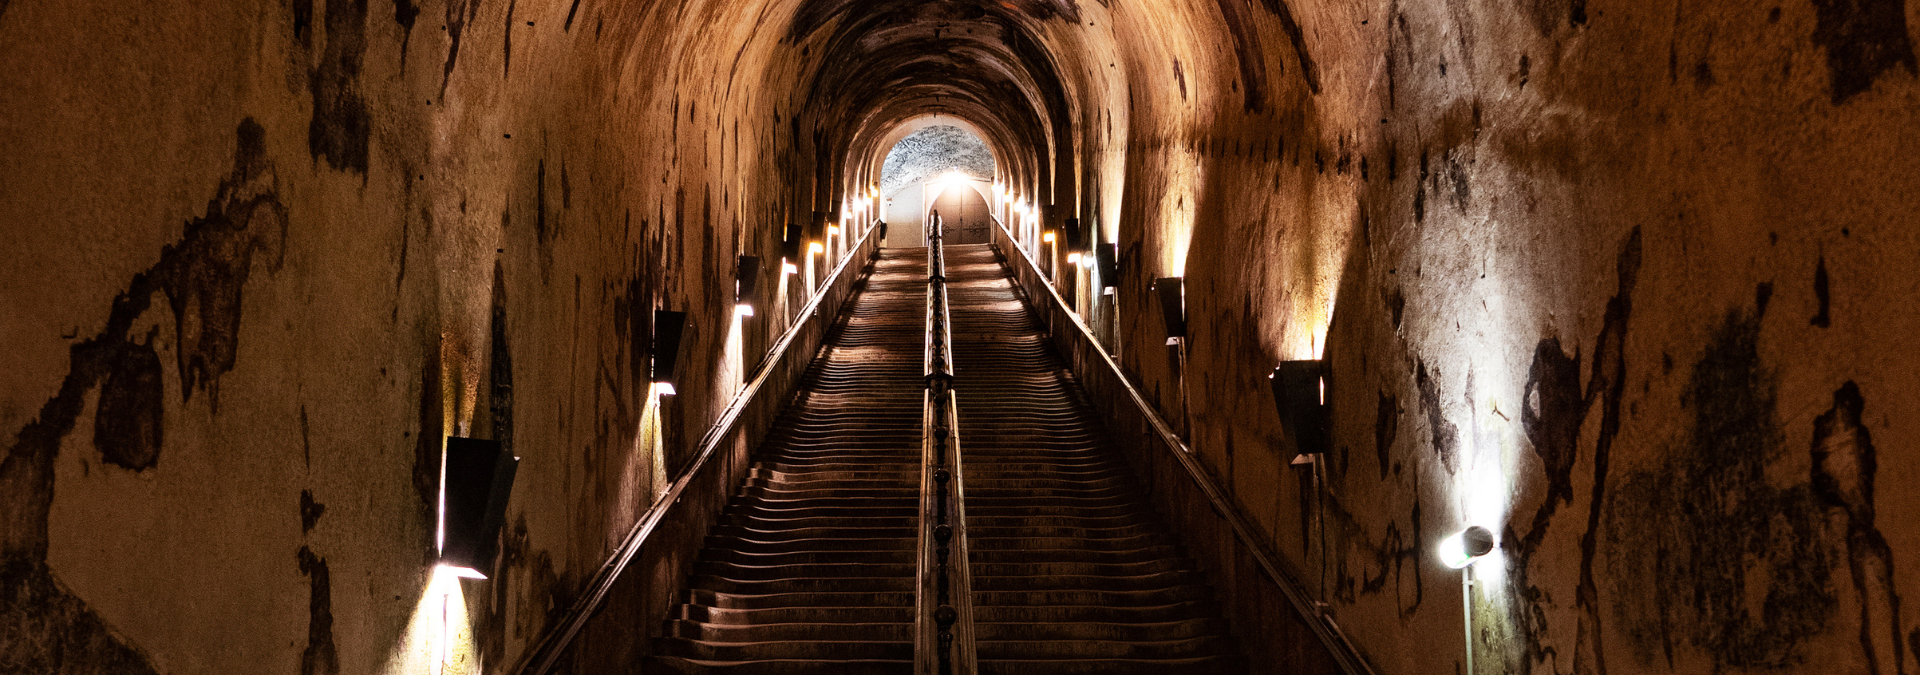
1620 279
262 257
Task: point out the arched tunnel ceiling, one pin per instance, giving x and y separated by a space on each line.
880 64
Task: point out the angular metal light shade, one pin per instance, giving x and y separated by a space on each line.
479 480
790 238
667 327
1173 305
1299 394
1107 259
746 278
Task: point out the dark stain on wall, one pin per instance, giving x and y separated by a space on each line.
1608 385
548 596
540 202
506 39
201 274
500 375
1551 415
320 657
341 124
1309 71
568 27
426 448
1844 464
1386 427
303 22
1822 294
458 14
1396 304
404 13
1247 53
1446 436
48 630
310 511
1708 550
1864 39
128 423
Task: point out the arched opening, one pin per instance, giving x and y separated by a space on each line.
961 202
937 167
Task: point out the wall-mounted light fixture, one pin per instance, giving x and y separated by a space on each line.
1466 546
746 280
1300 395
476 480
1107 259
1459 552
667 327
790 239
1073 258
1172 292
814 247
1047 236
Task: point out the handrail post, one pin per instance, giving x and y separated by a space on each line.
943 624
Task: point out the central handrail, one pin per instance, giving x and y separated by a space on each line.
943 623
1116 396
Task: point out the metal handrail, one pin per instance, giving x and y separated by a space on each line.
943 620
1321 623
559 638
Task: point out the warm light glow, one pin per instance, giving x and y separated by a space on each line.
998 190
788 268
833 230
1048 237
1073 258
664 389
1086 261
438 639
816 247
743 309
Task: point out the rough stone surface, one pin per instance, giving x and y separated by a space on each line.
1625 282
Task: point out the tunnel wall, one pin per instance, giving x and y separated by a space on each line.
1617 280
263 257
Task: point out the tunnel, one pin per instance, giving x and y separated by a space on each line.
1265 336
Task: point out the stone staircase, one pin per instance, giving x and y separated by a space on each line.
812 568
1072 573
